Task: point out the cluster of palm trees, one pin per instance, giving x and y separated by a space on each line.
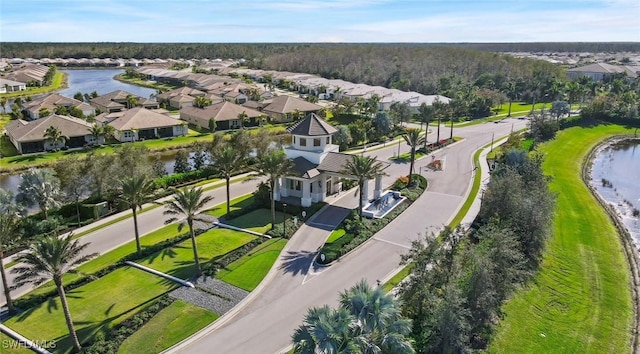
366 321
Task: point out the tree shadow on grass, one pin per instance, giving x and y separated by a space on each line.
297 262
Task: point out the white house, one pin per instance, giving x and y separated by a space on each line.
318 164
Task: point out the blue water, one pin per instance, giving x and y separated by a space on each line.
101 81
619 164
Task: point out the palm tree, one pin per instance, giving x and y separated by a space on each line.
414 139
135 192
227 161
273 164
10 215
54 135
96 131
201 102
50 258
438 108
188 203
108 132
243 118
42 187
378 319
132 101
363 168
324 330
426 116
367 321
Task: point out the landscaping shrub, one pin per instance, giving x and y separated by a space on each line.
182 178
221 262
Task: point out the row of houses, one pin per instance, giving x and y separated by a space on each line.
603 71
22 76
205 64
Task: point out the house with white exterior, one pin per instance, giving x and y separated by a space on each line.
28 136
11 86
318 165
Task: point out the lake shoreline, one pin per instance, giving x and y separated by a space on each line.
620 208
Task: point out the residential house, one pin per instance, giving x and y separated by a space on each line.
31 74
281 108
28 136
140 123
119 100
224 114
11 86
601 71
52 101
318 166
180 97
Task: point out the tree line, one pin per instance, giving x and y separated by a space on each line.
257 50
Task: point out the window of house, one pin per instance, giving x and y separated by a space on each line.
303 142
128 134
328 140
316 142
294 139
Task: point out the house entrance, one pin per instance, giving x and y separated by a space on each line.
328 187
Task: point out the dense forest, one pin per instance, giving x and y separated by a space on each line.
261 50
425 69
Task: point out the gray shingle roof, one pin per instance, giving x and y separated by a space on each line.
336 162
312 125
304 168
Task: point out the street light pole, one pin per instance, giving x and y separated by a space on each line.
399 148
284 220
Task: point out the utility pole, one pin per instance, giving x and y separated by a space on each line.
492 134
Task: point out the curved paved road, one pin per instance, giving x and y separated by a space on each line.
266 323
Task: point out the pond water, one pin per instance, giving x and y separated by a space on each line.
101 81
614 174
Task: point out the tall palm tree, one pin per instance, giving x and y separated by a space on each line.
414 139
10 215
273 164
227 161
243 118
188 203
438 108
135 192
41 187
426 116
49 258
54 135
363 168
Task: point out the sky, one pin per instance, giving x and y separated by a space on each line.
250 21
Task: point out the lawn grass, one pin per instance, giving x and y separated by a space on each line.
475 187
258 220
248 271
170 326
8 343
580 301
95 307
236 204
335 234
178 260
5 118
59 79
100 304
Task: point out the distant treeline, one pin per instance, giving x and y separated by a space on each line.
425 69
261 50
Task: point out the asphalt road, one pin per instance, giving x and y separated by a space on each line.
265 324
117 234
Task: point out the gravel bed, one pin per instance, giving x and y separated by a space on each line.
206 222
229 295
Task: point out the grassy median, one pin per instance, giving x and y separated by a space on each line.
580 301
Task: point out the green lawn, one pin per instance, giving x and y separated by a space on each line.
95 307
7 342
59 79
580 301
335 234
107 301
521 107
257 220
170 326
236 204
178 260
248 271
